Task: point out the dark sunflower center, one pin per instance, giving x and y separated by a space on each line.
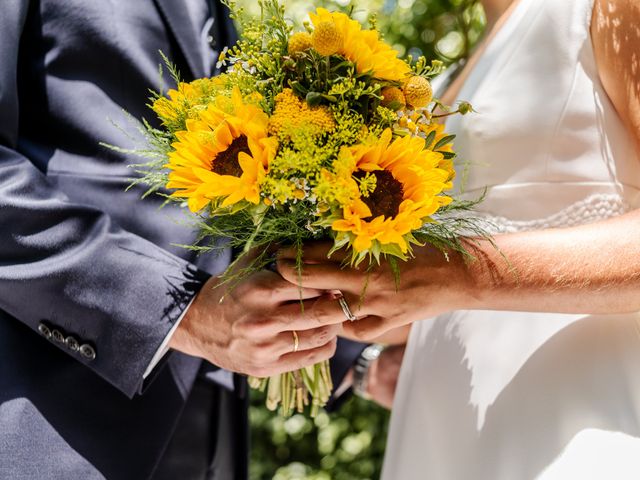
386 198
226 163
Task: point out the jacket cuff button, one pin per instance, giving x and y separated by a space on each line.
87 351
57 336
44 331
72 343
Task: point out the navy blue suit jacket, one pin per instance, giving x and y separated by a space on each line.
90 283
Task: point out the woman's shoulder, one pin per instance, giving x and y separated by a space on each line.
616 37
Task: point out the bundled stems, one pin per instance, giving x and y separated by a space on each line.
291 391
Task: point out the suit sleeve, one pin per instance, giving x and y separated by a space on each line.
70 265
345 358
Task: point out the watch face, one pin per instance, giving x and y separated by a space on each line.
372 352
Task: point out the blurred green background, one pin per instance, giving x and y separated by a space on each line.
349 444
444 29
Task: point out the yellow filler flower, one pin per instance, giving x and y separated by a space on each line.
408 189
362 47
184 97
223 155
293 116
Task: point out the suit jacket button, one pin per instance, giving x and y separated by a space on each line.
57 336
72 344
44 331
87 351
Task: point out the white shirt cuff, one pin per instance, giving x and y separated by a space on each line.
164 347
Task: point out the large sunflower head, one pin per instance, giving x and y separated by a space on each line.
401 184
341 35
222 156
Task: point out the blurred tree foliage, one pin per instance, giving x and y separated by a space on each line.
349 444
345 445
444 29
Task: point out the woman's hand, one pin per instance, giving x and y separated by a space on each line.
428 285
590 269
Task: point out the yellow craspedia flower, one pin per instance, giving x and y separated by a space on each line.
293 117
326 38
418 92
408 189
222 157
393 97
299 42
362 47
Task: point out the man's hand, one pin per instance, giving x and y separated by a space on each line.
249 329
383 376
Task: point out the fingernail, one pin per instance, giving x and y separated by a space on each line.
334 294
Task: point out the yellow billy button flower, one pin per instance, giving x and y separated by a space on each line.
409 186
393 97
299 42
326 38
418 92
362 47
222 157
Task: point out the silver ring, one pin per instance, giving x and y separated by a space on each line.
347 311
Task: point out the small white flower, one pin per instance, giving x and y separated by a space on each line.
222 58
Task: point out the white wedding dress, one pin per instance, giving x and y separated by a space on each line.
486 395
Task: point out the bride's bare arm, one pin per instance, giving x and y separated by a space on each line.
588 269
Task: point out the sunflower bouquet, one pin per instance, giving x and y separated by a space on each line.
320 132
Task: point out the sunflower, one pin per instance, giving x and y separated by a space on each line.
339 34
404 187
222 156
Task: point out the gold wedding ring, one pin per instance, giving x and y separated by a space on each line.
296 341
346 310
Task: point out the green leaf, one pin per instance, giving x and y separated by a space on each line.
298 89
376 251
393 249
314 98
344 63
430 138
395 269
329 98
444 141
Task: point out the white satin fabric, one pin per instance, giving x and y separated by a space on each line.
516 395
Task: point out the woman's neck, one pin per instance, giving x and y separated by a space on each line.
494 9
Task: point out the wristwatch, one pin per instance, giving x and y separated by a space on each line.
361 369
